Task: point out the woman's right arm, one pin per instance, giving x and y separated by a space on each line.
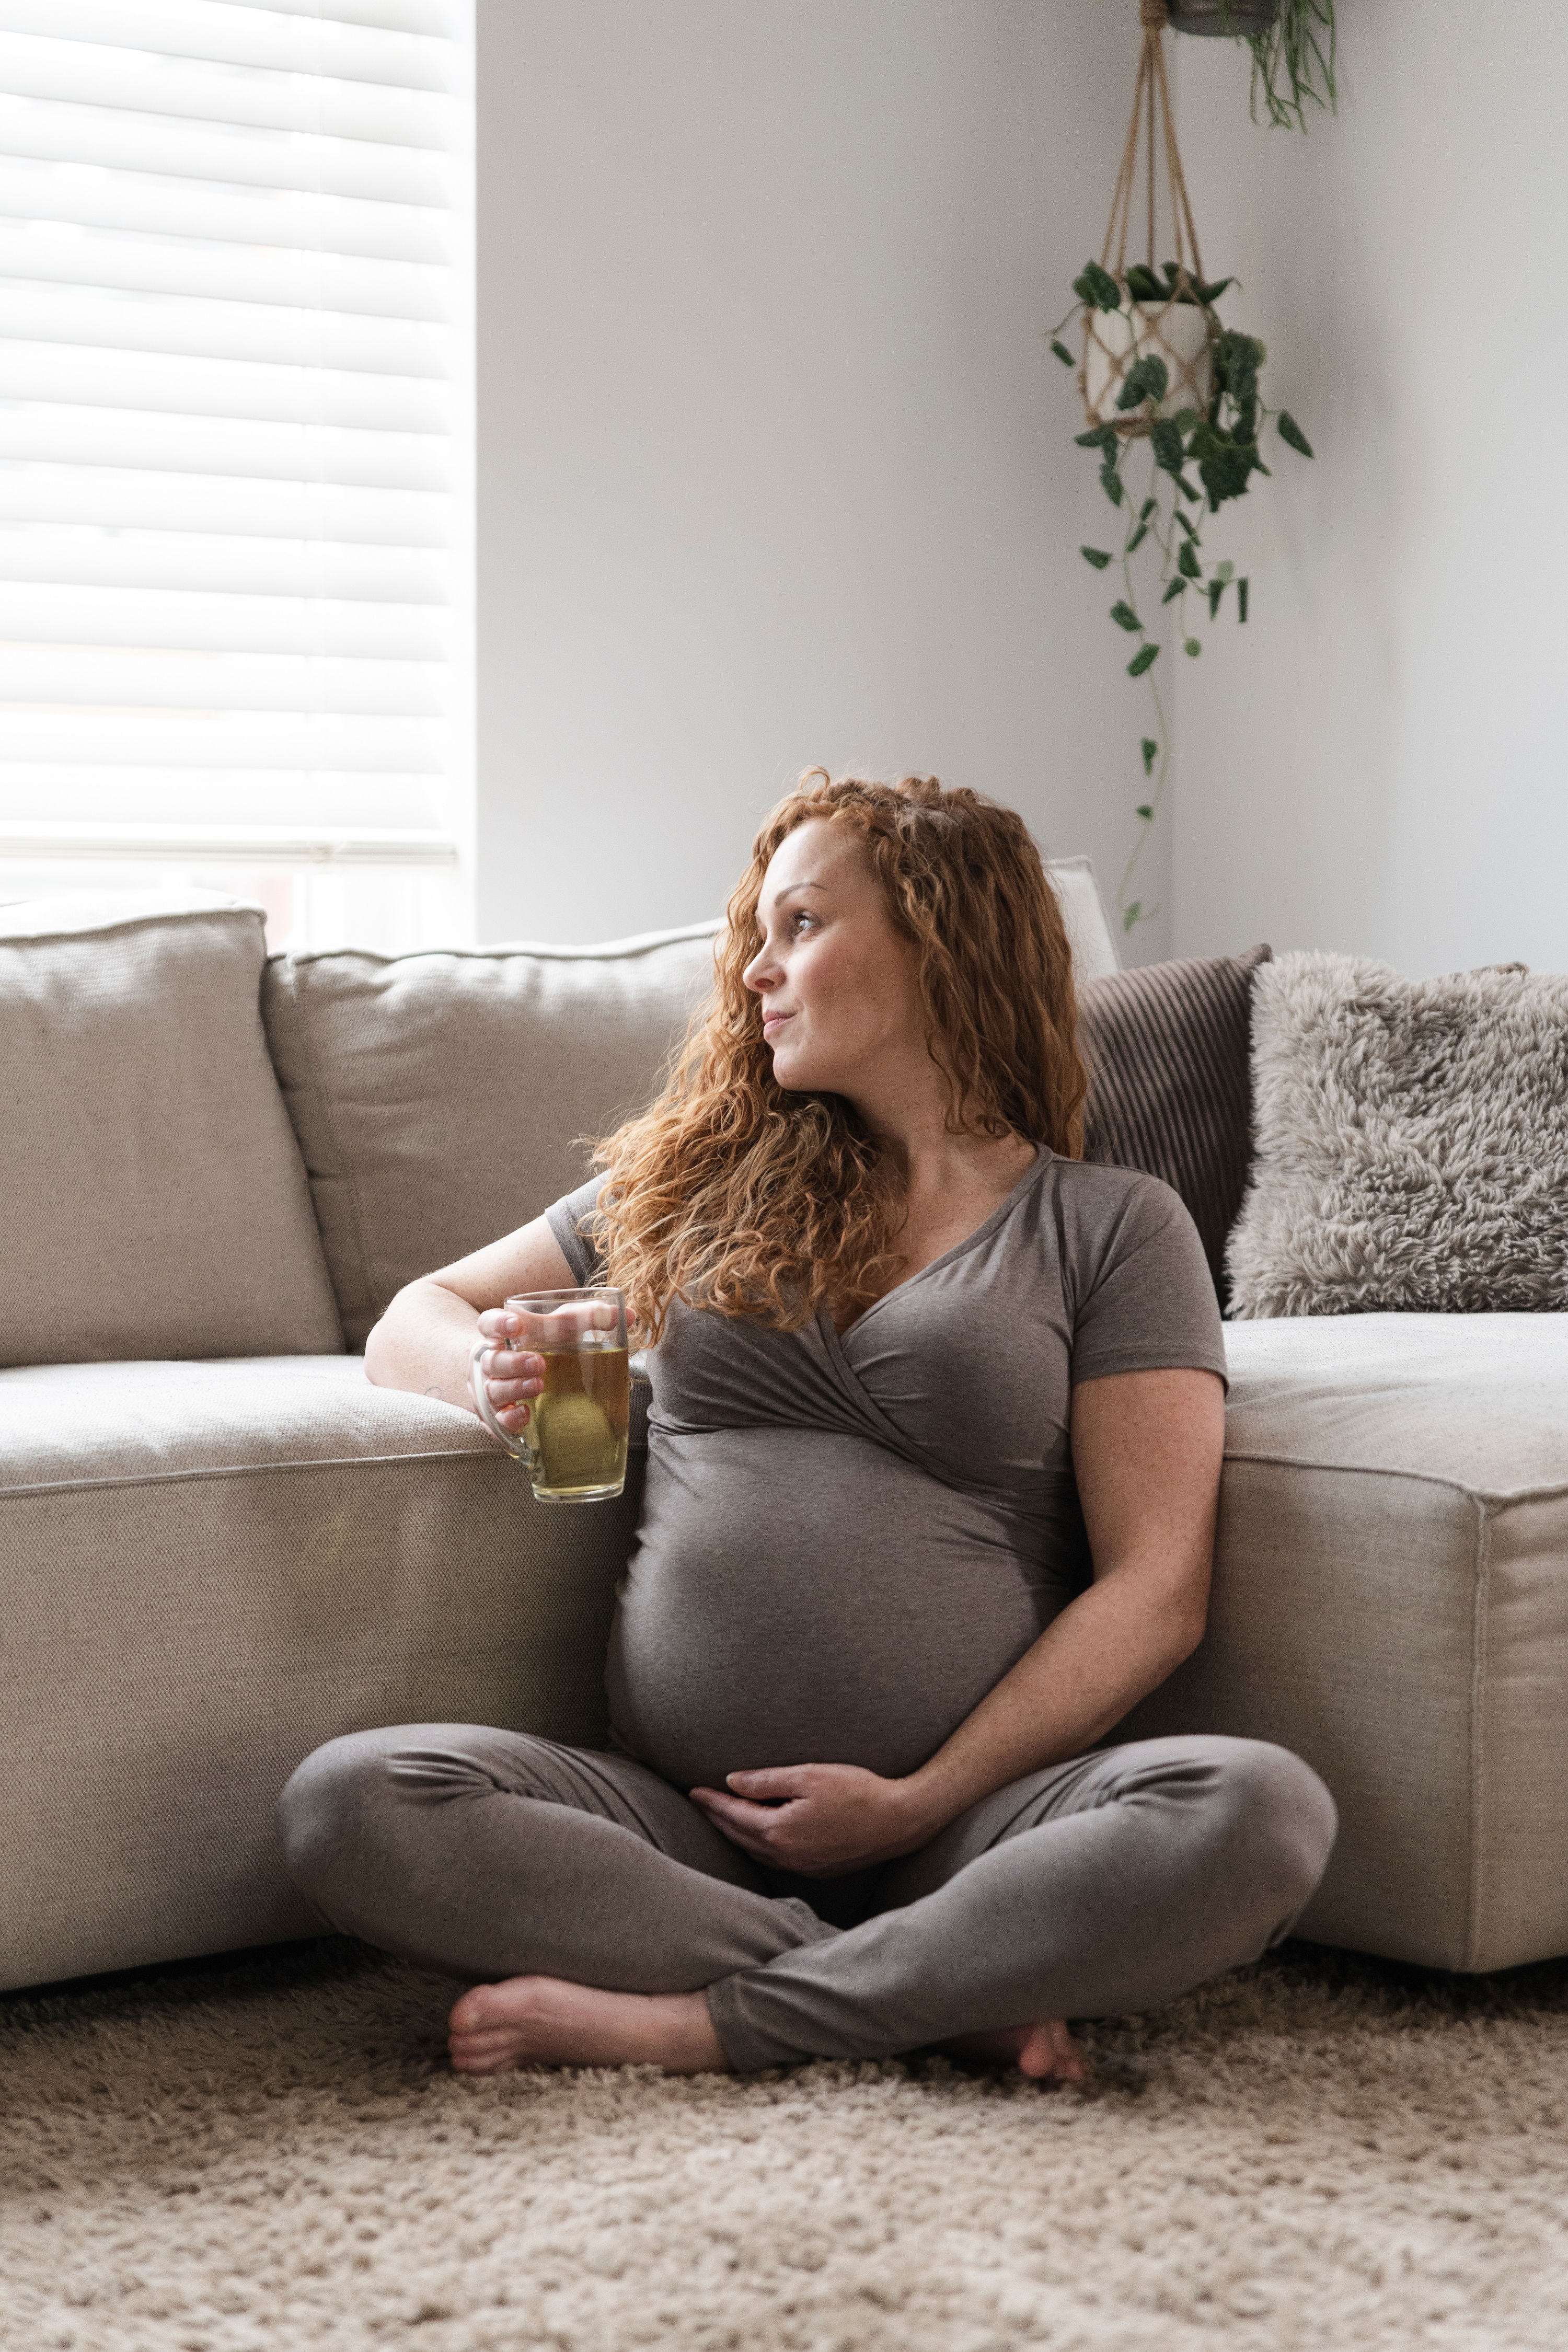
426 1336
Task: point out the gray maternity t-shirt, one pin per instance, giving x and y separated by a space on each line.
845 1542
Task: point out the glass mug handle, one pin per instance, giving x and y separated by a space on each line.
516 1443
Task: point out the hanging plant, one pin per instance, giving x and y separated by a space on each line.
1160 371
1294 44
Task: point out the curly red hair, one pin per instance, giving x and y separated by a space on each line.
739 1196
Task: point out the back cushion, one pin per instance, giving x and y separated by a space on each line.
154 1200
437 1098
1169 1087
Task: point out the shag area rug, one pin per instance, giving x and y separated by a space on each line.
1411 1142
270 2156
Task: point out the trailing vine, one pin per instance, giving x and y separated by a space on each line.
1301 50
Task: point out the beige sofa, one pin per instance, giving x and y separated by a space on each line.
219 1545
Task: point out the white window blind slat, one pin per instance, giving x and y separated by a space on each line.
213 212
59 432
271 333
115 138
163 620
125 499
378 42
65 253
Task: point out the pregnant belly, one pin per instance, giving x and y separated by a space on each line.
806 1597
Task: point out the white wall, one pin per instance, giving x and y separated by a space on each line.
774 466
1377 763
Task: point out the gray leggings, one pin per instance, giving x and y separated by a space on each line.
1107 1884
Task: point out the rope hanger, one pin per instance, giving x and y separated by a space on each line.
1181 326
1151 114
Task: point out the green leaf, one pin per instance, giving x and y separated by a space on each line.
1185 418
1292 435
1082 288
1225 471
1176 588
1103 289
1226 570
1151 750
1241 593
1193 647
1124 615
1148 507
1166 443
1130 917
1217 590
1189 527
1098 437
1209 295
1110 482
1142 284
1144 659
1062 352
1187 563
1187 490
1136 541
1095 555
1144 811
1147 379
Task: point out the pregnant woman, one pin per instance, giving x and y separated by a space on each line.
934 1454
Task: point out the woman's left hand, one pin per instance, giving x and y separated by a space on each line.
817 1819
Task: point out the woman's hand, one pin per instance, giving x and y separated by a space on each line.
818 1820
510 1377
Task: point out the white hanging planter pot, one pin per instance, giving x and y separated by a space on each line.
1228 20
1179 333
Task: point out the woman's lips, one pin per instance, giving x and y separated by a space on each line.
775 1021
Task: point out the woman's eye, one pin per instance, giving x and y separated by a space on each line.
801 916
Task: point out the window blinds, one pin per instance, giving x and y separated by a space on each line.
234 399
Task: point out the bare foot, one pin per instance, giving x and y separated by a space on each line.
544 2021
1046 2051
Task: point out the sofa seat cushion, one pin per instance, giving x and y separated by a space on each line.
1391 1600
208 1569
156 1199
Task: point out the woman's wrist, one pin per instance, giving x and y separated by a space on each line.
927 1803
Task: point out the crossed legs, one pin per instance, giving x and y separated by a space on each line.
1105 1884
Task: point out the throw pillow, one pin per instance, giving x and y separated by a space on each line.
1412 1142
1167 1047
156 1201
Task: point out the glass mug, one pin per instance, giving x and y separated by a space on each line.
574 1440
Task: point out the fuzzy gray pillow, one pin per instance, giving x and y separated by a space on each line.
1411 1141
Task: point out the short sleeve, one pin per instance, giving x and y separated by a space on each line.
565 1220
1146 1301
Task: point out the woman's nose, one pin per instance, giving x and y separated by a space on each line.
760 972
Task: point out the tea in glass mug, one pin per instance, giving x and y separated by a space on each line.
574 1441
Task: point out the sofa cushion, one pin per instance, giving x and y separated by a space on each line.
208 1569
438 1098
1391 1600
1169 1088
1412 1142
156 1201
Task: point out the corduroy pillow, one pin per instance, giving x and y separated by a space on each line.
1169 1088
1412 1143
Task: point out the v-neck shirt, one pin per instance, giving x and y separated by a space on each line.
847 1540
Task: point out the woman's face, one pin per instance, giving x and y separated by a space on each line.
841 1003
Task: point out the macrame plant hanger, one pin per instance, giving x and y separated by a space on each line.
1180 328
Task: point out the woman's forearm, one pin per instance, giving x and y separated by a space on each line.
1107 1650
423 1342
